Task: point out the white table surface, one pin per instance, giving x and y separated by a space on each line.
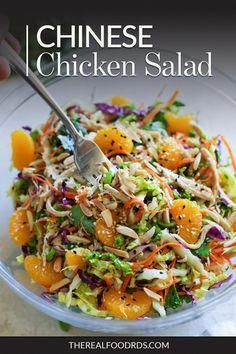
18 318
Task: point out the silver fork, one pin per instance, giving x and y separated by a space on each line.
88 156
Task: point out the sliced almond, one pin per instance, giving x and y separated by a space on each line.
57 265
98 204
117 252
107 216
78 239
112 205
69 160
30 219
59 284
126 231
152 295
148 235
87 211
115 193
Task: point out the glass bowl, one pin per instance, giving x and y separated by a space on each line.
209 98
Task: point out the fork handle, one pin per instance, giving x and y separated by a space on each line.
19 66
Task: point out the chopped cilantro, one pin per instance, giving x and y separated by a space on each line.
64 326
158 123
34 134
178 104
166 225
21 186
51 254
173 300
203 251
192 133
79 218
119 240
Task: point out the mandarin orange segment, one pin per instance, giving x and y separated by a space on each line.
40 273
112 141
23 149
120 101
181 124
75 260
126 306
188 217
19 227
106 234
171 153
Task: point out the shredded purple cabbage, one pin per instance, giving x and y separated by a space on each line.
47 296
214 232
119 111
65 201
63 187
100 297
139 249
219 148
25 250
91 279
63 232
27 128
35 188
59 249
52 238
20 176
218 285
188 293
76 107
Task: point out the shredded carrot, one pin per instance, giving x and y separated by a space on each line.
163 287
183 162
200 173
181 293
173 263
107 279
73 228
207 144
46 126
135 202
166 291
47 132
231 154
234 226
169 190
28 200
150 257
69 195
43 180
203 212
50 219
150 116
126 282
216 259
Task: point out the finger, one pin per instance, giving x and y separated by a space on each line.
13 42
4 68
4 25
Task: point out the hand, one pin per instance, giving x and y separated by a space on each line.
5 35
